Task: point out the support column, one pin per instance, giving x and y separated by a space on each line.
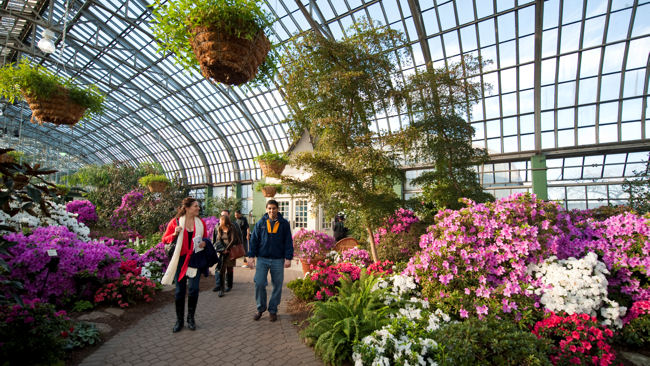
538 165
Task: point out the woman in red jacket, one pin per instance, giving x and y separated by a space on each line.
185 265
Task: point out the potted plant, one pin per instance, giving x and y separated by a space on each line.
155 182
267 189
272 164
311 246
12 156
51 98
224 37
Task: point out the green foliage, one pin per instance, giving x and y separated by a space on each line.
90 175
173 22
152 178
304 288
337 324
602 213
149 168
333 89
260 185
38 81
639 190
399 247
84 334
271 157
82 305
636 333
214 205
16 155
440 136
490 342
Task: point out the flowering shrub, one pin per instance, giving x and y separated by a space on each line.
360 257
400 222
81 264
577 286
636 331
210 223
85 210
311 244
130 266
32 334
120 216
155 254
398 239
127 290
58 216
577 339
327 275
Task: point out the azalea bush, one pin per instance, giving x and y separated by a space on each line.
355 255
327 275
399 237
85 210
127 290
120 216
636 331
56 215
311 244
576 339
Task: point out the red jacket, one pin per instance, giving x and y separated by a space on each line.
188 247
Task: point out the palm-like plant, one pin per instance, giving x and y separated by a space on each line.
344 319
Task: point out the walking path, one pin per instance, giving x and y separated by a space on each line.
226 333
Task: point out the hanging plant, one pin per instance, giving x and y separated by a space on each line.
272 164
155 182
51 98
224 37
268 190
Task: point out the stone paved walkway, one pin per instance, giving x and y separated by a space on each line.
226 333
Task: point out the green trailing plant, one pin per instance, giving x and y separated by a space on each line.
333 89
83 334
172 24
36 80
273 157
490 342
304 288
345 319
260 185
153 178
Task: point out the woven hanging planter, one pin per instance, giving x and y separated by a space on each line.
157 187
269 191
272 168
58 108
226 58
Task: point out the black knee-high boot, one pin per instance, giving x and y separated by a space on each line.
191 309
180 313
229 281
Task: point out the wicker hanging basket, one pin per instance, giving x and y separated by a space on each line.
227 58
269 191
58 108
157 187
272 168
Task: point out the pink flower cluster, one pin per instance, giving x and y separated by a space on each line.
327 275
120 216
638 308
85 210
578 339
210 223
400 222
126 291
356 255
130 266
310 244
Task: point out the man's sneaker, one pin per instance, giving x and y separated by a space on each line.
273 317
257 316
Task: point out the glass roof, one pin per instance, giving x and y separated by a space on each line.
585 82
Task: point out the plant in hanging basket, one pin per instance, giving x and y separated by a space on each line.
272 164
51 98
155 182
268 190
224 37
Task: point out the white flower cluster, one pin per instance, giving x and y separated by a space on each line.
152 270
399 287
58 217
577 286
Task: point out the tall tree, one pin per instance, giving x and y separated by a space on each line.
334 90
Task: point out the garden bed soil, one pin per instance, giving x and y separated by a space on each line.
130 317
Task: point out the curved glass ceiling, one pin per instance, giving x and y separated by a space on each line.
585 82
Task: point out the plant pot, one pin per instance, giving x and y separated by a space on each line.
6 158
157 187
227 58
269 191
58 108
305 264
272 168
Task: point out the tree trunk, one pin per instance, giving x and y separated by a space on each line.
373 247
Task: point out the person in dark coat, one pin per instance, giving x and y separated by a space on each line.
227 235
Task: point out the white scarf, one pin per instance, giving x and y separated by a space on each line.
168 278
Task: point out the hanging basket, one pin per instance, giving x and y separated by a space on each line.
157 187
6 158
269 191
272 168
58 108
345 244
227 58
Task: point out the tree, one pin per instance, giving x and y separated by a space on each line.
440 136
639 189
334 90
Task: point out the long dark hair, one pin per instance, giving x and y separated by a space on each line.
187 203
224 222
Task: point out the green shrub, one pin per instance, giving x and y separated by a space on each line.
490 342
303 288
337 324
82 305
84 334
400 247
636 333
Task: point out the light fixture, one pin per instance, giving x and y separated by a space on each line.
46 44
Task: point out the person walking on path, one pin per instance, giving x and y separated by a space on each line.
227 234
245 230
272 245
192 256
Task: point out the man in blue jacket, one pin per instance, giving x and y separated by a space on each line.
272 244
